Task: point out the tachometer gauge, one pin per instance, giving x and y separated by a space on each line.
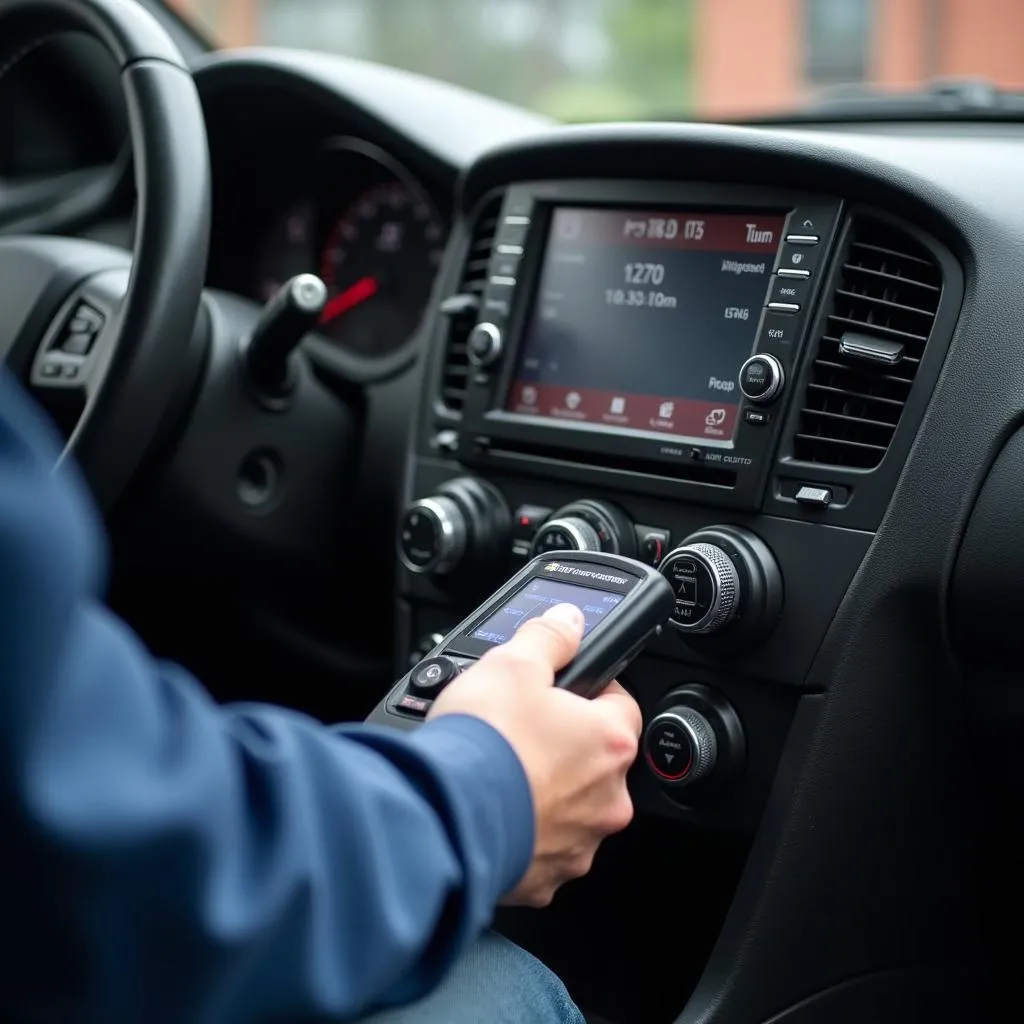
289 248
378 262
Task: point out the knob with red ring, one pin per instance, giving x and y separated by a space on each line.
680 746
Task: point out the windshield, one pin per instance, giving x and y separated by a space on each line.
578 60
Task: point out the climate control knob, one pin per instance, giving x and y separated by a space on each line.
707 587
566 534
466 524
680 746
432 536
726 582
587 525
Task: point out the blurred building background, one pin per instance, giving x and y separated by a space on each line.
601 59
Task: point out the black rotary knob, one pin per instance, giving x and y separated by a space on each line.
461 533
432 535
587 525
761 379
569 533
680 746
707 587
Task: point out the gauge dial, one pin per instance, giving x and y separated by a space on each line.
288 249
378 263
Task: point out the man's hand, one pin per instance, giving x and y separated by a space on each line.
575 752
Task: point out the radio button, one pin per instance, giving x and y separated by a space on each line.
757 417
484 344
778 329
790 290
761 379
799 257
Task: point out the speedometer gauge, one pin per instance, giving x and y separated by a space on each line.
378 262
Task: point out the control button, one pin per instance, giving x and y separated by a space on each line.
496 307
816 497
805 239
502 280
446 442
784 307
680 746
505 266
417 705
757 417
50 369
430 677
71 371
653 544
432 535
521 550
568 534
799 257
761 379
77 344
779 329
789 272
707 587
527 520
790 291
484 344
512 236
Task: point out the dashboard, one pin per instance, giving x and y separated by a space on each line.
781 365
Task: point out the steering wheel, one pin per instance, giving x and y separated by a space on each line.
101 339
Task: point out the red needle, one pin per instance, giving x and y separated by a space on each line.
365 288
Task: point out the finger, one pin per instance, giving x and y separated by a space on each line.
621 704
552 639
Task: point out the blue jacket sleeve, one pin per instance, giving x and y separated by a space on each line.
168 859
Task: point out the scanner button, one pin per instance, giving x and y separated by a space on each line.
432 675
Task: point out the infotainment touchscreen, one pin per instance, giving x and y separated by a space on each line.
642 319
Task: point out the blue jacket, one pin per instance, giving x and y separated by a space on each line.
166 859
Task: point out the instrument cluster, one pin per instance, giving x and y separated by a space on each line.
372 232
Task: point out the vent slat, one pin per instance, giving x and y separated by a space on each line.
456 371
850 419
902 256
878 301
867 371
890 288
843 391
867 326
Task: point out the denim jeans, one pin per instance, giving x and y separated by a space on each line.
494 982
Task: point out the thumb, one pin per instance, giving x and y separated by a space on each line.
551 640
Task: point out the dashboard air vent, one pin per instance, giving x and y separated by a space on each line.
463 308
882 312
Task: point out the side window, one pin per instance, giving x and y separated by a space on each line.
837 40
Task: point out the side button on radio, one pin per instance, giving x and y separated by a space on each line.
761 379
484 344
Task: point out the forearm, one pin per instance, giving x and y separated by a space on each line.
162 852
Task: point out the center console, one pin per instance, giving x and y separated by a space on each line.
706 378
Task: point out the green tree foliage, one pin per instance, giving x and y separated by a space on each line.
652 43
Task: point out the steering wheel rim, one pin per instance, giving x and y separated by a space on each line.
148 339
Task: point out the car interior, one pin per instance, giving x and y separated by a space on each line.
779 361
